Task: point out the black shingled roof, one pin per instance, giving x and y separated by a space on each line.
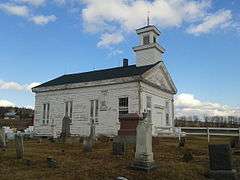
118 72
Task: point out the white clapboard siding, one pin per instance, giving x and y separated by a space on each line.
108 120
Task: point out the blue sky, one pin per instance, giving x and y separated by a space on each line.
43 39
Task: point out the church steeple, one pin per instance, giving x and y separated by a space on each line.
149 51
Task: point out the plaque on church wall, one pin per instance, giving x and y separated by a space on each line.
103 106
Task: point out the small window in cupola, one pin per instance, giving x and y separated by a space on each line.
146 39
154 39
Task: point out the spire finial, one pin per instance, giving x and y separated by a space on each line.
148 18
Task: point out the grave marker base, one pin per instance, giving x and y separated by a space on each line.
52 163
118 148
87 145
143 166
223 174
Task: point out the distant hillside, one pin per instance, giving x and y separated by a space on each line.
19 113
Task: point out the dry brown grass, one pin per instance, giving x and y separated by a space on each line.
73 163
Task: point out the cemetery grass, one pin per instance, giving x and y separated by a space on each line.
73 163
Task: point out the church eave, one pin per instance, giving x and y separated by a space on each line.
168 76
148 29
86 84
149 46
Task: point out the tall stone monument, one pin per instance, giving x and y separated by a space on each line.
88 142
65 128
144 155
54 132
92 135
2 138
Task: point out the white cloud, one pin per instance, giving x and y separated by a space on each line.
127 15
43 20
13 9
33 2
130 14
16 86
187 104
5 103
114 52
24 11
11 85
32 85
186 100
108 39
220 19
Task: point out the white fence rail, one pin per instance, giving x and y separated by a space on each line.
208 131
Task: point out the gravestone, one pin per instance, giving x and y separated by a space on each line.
52 163
221 166
19 145
187 156
65 128
144 155
235 143
28 162
88 141
2 138
118 148
128 125
54 131
87 145
182 142
92 131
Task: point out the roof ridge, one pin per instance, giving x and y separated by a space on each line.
119 67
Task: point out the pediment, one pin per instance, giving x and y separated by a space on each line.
160 77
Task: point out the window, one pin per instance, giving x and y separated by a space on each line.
46 113
149 106
167 120
92 108
149 102
154 39
94 111
123 105
146 40
69 109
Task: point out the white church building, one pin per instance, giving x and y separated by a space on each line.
102 95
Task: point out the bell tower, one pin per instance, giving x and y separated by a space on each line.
149 51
